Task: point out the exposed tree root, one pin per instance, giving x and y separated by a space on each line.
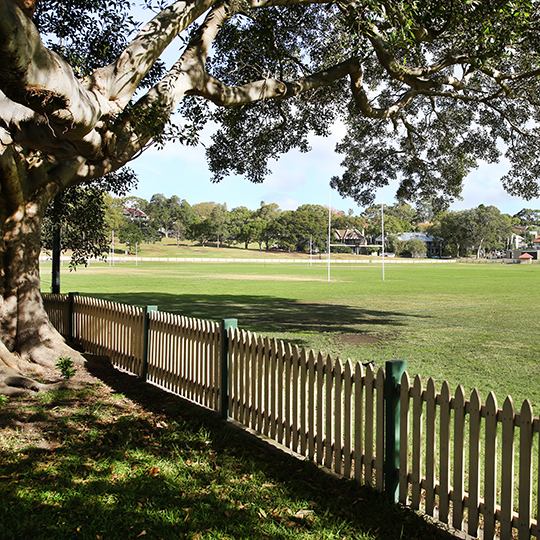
17 385
45 346
18 373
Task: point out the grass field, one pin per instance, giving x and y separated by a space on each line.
477 325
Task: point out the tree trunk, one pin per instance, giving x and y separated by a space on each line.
27 339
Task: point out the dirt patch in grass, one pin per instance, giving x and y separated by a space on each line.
358 339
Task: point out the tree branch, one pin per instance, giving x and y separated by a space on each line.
227 96
39 79
362 100
119 81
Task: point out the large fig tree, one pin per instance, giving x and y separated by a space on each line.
426 89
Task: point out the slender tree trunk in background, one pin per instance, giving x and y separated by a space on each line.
56 254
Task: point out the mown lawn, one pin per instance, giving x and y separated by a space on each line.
123 461
470 324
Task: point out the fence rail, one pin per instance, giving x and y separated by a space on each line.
467 464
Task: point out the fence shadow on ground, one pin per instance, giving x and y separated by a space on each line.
352 507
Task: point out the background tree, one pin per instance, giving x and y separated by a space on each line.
204 209
452 228
114 212
310 223
450 82
256 231
201 231
529 217
130 234
395 244
402 211
239 221
415 247
487 229
160 211
184 217
219 218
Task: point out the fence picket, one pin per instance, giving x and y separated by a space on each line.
474 463
267 378
380 432
273 390
370 404
287 386
417 443
295 424
328 445
347 420
490 467
320 416
241 375
431 396
254 364
303 401
234 348
359 454
280 390
444 453
338 408
404 439
260 387
311 405
458 493
525 470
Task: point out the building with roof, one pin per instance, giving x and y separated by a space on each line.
434 245
352 238
135 214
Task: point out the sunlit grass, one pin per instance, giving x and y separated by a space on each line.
470 324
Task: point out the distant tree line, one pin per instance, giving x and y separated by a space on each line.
478 231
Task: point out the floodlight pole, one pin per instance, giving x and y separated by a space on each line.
382 232
329 225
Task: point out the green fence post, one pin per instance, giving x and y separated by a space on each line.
70 317
146 341
226 324
394 371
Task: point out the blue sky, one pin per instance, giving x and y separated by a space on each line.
296 179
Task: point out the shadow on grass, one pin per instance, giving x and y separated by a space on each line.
155 467
268 315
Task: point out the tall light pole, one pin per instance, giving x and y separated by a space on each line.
382 232
329 224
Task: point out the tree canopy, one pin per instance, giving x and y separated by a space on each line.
426 89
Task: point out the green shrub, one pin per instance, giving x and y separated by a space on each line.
66 367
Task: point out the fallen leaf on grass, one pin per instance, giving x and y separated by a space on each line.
304 514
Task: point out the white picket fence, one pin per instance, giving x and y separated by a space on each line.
467 464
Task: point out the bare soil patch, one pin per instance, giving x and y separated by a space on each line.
358 339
